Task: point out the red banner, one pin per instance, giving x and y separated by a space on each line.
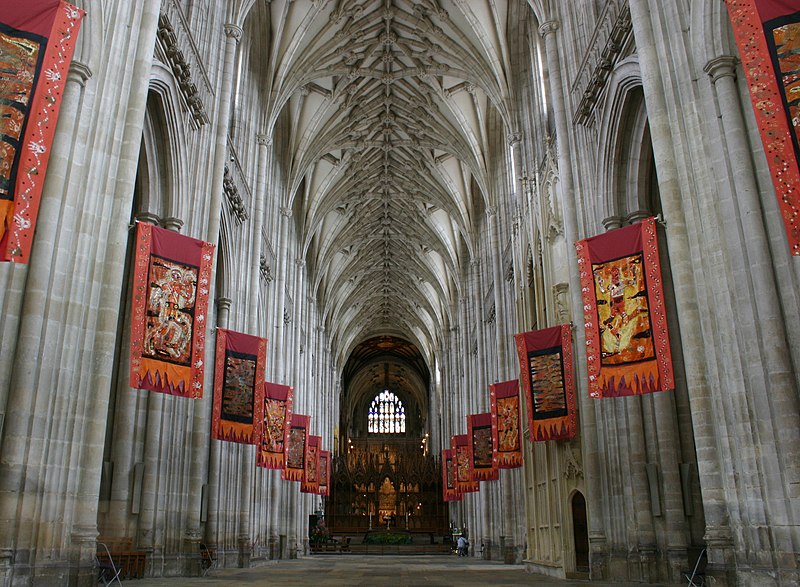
627 343
294 467
324 472
548 378
239 387
277 414
310 482
170 303
482 453
464 482
37 39
768 33
449 473
506 423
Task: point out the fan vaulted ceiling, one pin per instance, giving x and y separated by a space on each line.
389 104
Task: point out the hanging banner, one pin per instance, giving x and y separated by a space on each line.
295 463
482 453
449 485
464 482
277 414
171 278
767 33
324 472
627 343
239 387
548 378
506 423
310 482
37 40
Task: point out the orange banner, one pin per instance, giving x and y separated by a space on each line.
37 40
171 280
239 387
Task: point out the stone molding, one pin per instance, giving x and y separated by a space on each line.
722 66
601 60
181 65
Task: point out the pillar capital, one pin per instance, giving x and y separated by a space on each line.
172 223
613 222
286 212
79 72
264 140
148 217
548 27
722 66
233 31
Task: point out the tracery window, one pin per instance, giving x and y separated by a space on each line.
386 414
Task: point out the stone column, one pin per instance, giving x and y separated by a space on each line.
212 530
204 449
588 417
783 444
718 532
84 531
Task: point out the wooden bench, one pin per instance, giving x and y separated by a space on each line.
131 562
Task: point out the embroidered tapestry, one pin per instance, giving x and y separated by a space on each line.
324 472
547 375
295 462
506 423
767 33
277 412
627 343
170 302
482 455
37 40
449 485
464 482
310 482
239 387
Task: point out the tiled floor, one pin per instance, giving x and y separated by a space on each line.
373 571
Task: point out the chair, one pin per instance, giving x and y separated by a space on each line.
208 558
107 570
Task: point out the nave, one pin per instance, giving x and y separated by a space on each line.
377 571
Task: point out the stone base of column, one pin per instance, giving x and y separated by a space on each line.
82 571
245 552
721 565
484 549
598 557
273 548
508 550
191 555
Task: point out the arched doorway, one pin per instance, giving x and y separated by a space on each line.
580 532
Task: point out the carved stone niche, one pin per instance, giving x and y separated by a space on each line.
233 196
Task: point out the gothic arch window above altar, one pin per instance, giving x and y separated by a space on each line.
386 414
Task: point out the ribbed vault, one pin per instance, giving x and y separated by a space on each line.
389 105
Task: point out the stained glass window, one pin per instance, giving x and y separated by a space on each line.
386 414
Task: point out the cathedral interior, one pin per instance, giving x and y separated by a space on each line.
393 189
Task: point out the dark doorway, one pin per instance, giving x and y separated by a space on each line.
580 531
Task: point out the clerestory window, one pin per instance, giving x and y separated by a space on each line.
386 414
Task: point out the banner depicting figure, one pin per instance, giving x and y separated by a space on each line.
277 415
482 453
506 423
324 472
627 343
548 378
449 483
37 39
310 482
464 482
239 387
295 463
767 33
171 279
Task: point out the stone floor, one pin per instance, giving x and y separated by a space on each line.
374 571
